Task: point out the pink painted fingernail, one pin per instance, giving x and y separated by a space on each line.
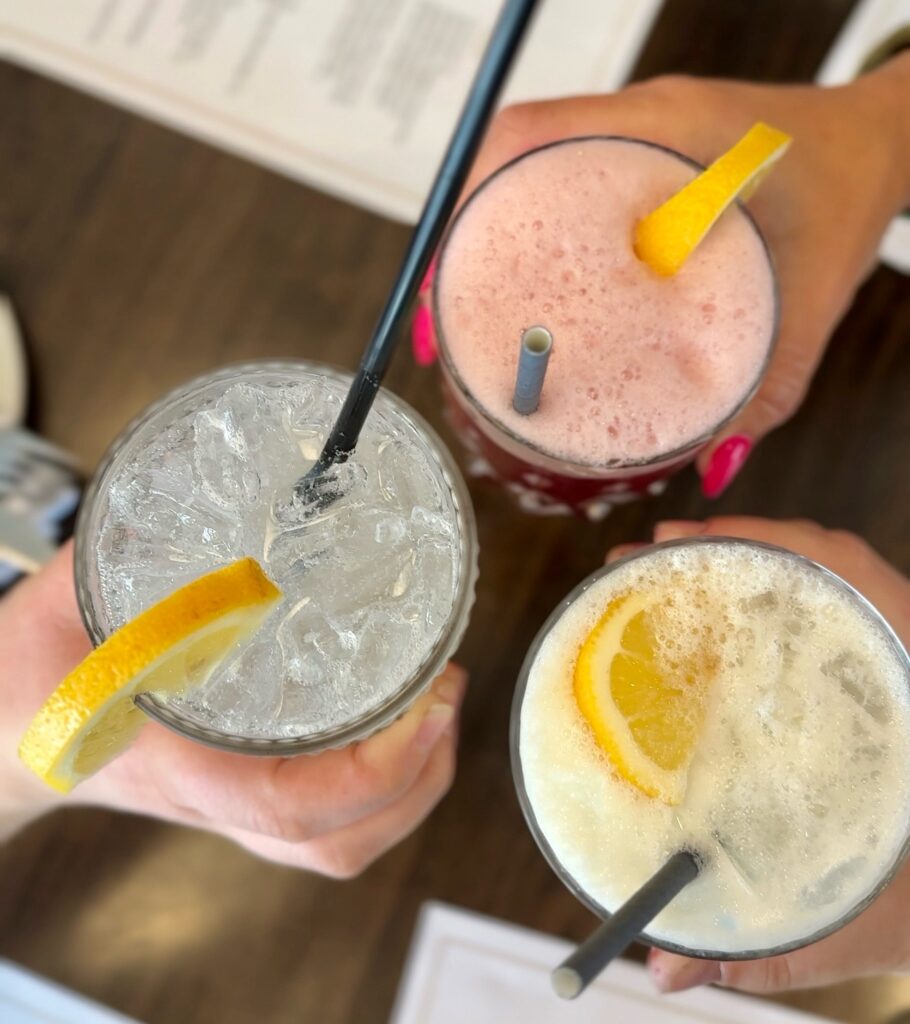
434 724
676 973
423 337
726 462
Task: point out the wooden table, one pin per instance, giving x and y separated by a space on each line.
138 258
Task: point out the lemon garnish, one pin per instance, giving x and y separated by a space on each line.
645 705
666 238
173 646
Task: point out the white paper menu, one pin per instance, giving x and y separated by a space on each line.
356 97
466 967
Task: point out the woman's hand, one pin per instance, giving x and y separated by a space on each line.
878 940
333 812
823 209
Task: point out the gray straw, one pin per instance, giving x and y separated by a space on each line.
576 972
536 345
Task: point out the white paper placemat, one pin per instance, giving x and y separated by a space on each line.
357 97
467 968
26 998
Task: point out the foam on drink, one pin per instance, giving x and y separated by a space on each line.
370 581
798 794
642 365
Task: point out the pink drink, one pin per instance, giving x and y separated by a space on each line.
644 369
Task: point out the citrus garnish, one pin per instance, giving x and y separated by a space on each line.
171 647
644 704
666 238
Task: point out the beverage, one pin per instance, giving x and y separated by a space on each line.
644 370
796 796
377 583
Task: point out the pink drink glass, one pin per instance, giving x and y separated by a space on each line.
689 351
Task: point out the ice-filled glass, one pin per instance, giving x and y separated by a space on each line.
378 582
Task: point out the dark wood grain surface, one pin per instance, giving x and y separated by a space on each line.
137 258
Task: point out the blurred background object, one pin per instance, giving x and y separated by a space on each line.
13 378
39 483
875 31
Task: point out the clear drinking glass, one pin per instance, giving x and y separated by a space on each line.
539 481
158 491
863 607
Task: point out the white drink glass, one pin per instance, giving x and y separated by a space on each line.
797 799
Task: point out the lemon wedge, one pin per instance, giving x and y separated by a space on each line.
667 237
174 645
644 705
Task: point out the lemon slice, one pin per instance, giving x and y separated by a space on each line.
174 645
666 238
644 705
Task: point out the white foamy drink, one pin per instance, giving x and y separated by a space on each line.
376 581
798 792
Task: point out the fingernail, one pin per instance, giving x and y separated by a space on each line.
676 974
434 724
620 550
726 461
423 337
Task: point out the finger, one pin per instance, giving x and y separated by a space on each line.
677 529
782 532
621 550
299 798
348 851
673 973
800 535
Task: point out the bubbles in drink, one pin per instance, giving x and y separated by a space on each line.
370 578
797 793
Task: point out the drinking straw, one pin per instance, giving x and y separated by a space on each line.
533 357
475 115
577 971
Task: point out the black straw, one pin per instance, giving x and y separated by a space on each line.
614 936
475 115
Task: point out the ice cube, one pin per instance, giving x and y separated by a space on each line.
856 680
221 456
831 885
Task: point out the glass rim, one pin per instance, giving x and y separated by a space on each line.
580 467
409 689
527 809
